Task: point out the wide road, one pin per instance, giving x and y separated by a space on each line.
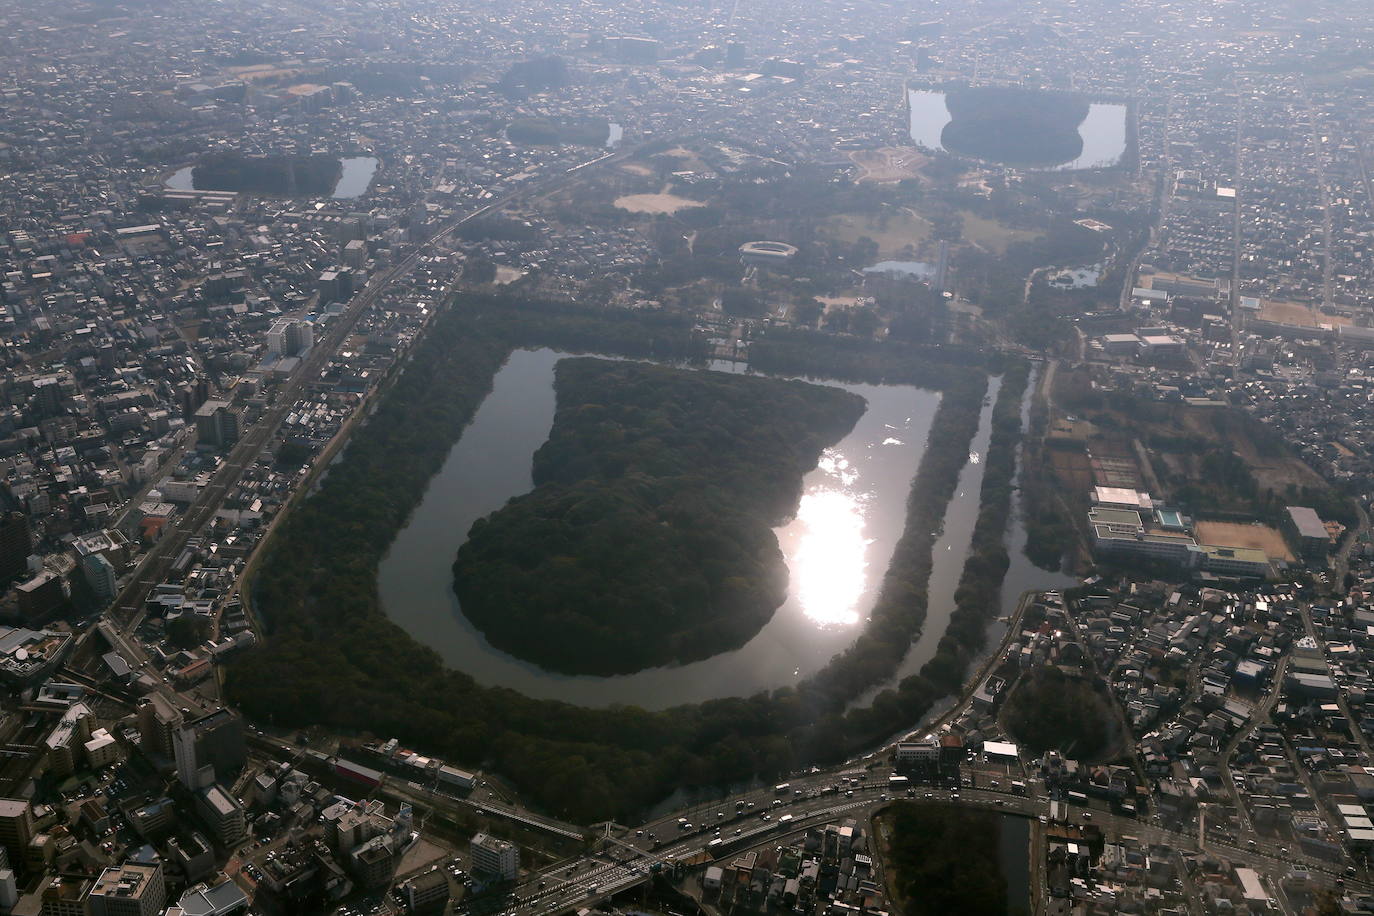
627 863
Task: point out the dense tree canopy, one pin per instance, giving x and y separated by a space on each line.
647 539
1049 710
313 175
332 657
945 860
1013 125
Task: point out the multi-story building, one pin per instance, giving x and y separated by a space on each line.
217 423
64 895
494 857
100 575
15 545
289 338
426 893
222 813
40 596
66 740
128 890
373 863
155 819
101 749
1307 533
16 828
209 749
158 721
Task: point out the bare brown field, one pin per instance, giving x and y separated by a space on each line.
1072 469
655 204
889 164
1296 313
1235 534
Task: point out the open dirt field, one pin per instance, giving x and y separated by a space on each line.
1298 314
888 164
1234 534
1073 470
263 71
655 204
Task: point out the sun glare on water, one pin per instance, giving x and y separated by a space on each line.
830 564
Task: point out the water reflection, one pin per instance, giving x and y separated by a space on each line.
830 558
853 510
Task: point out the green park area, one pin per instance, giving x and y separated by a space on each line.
892 228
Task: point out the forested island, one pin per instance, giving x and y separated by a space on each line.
289 176
1014 126
648 537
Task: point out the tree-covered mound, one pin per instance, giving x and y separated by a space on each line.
551 132
944 859
288 176
648 539
1014 126
1049 710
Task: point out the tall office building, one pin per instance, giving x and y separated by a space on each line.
193 394
15 546
16 828
100 575
128 890
223 814
289 338
188 766
209 749
158 721
217 423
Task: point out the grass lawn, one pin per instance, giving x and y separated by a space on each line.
992 235
902 228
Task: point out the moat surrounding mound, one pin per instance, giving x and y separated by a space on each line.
1014 126
648 539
